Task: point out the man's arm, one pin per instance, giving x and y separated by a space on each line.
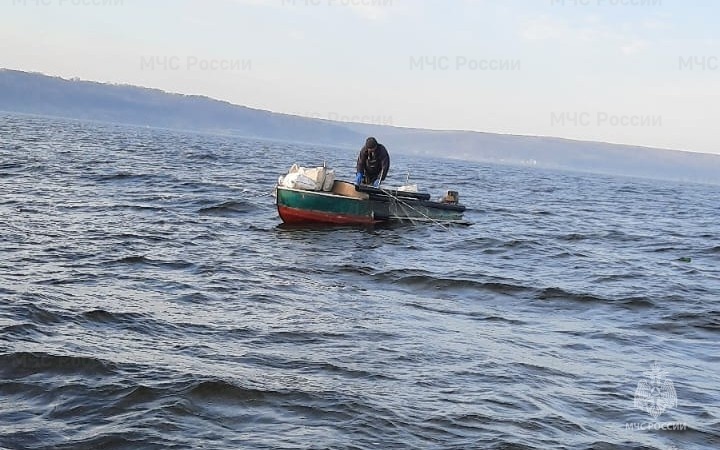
385 164
361 160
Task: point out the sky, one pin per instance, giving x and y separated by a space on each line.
640 72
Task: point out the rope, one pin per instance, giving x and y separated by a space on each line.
430 219
253 193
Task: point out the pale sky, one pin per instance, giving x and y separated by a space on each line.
644 72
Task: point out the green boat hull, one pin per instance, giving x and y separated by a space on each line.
300 206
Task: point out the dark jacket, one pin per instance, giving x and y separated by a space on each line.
372 163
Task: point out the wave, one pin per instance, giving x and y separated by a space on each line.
140 208
228 209
25 331
38 315
123 176
126 439
429 280
227 392
23 364
706 320
457 284
482 317
11 166
637 302
143 324
141 260
614 277
574 237
138 395
555 293
664 249
424 280
106 317
73 279
202 155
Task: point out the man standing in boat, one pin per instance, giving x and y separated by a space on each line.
373 163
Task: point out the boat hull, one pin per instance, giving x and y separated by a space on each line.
297 206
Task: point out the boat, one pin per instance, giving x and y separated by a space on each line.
349 204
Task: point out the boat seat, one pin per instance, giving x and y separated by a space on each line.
348 190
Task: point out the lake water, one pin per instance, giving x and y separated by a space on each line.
151 299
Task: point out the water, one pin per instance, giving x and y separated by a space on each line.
150 299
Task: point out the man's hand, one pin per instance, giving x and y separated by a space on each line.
358 178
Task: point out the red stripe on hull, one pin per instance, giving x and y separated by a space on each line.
295 215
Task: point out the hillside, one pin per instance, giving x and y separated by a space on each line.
33 93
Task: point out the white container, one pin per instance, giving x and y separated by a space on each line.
408 188
297 180
317 174
329 180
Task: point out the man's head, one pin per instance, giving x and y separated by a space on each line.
371 143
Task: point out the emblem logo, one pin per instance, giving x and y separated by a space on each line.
656 394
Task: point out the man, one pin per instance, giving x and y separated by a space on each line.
373 163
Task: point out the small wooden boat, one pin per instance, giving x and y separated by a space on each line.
348 204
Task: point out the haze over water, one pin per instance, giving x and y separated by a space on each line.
151 299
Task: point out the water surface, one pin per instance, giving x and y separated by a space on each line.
150 299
